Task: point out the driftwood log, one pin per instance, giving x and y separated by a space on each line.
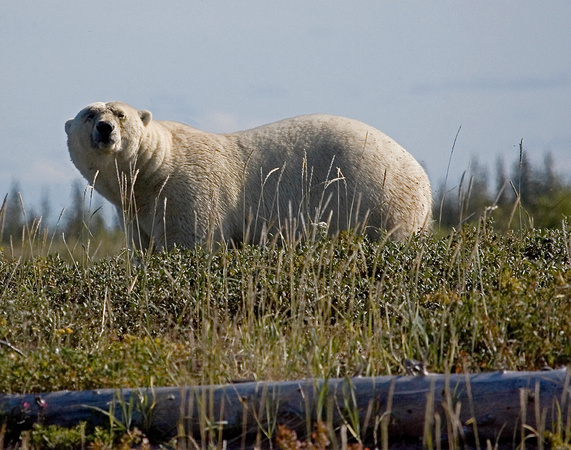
426 409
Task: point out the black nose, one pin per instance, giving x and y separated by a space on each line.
104 128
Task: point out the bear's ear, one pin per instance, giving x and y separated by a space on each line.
68 126
145 116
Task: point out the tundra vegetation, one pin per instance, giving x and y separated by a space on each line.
489 289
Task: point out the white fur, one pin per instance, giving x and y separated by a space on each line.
188 186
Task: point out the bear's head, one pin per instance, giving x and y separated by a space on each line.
102 133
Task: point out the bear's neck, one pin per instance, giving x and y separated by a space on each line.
153 151
148 164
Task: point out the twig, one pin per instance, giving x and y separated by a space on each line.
11 347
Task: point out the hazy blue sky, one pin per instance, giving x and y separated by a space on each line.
416 70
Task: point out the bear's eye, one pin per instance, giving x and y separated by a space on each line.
90 116
120 115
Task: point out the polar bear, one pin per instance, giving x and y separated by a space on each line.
175 184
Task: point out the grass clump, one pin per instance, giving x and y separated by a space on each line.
475 300
78 437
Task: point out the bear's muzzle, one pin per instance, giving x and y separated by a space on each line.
104 135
